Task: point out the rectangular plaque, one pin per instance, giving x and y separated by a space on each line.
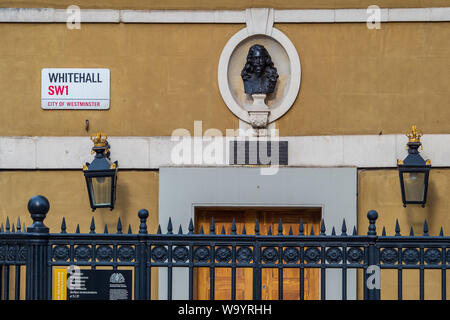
75 89
259 152
78 284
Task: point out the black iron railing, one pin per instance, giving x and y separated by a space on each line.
38 251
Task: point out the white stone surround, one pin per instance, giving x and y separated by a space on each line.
51 15
362 151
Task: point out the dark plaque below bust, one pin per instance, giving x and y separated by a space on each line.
259 74
253 152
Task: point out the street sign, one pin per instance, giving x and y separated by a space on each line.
75 89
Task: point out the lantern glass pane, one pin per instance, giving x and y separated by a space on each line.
414 183
101 190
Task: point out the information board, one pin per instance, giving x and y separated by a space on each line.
73 283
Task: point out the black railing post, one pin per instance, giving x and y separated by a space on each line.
373 271
142 282
37 273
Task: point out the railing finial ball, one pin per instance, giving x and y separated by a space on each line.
143 214
372 215
38 206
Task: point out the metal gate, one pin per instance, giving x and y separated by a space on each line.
37 251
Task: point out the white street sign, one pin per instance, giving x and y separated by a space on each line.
75 89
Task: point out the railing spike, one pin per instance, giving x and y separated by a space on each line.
119 226
269 232
397 228
223 230
256 228
106 229
383 233
280 228
441 233
322 227
159 229
18 225
7 226
63 225
333 231
233 226
354 231
312 231
24 227
92 225
411 232
344 228
300 228
290 231
78 229
1 229
212 227
201 230
169 226
13 230
243 230
129 229
191 227
180 230
425 228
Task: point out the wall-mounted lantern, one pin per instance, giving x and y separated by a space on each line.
101 175
414 172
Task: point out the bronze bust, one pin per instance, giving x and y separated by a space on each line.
259 73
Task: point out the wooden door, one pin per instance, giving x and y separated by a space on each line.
244 216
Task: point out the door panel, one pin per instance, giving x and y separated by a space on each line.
267 217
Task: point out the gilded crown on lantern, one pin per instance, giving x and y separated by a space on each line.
99 139
414 135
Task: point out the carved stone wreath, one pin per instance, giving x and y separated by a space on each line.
159 254
223 254
180 254
270 255
202 254
334 255
290 255
355 255
432 256
312 255
83 253
389 255
104 253
126 253
411 256
60 253
244 255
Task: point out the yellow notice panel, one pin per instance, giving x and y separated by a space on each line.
60 284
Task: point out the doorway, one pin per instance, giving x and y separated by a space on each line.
268 217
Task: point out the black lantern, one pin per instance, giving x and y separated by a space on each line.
101 175
414 172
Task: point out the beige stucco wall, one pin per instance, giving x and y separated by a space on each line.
223 4
164 76
68 197
380 190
